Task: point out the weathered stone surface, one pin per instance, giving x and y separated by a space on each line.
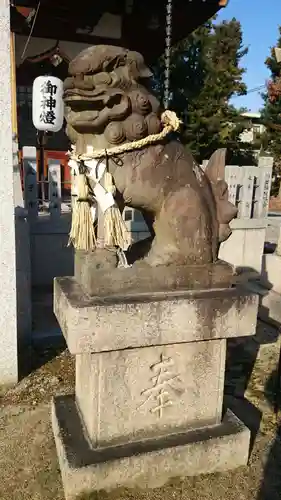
271 272
134 394
9 338
104 281
270 307
109 103
118 322
244 248
149 463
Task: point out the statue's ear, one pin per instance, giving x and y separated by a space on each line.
216 165
138 66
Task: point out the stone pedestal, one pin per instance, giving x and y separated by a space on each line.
149 386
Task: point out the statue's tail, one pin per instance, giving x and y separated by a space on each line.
226 211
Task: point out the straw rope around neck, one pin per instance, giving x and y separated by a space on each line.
171 123
115 232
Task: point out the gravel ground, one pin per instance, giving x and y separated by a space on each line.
28 462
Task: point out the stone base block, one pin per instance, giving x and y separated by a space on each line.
271 272
117 322
96 280
244 247
146 464
269 303
270 307
124 396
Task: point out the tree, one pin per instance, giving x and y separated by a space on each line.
271 114
205 74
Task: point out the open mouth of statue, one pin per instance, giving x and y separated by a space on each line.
85 111
89 94
79 99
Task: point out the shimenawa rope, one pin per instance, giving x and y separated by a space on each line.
171 124
82 234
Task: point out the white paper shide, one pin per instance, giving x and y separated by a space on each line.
47 103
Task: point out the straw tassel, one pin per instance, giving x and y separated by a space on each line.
115 230
82 233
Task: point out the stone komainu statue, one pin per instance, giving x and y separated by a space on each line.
108 102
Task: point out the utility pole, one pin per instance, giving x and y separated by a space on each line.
277 51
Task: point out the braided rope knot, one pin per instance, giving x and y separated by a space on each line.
170 119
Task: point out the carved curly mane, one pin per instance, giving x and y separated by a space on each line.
103 96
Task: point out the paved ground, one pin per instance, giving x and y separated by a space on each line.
28 462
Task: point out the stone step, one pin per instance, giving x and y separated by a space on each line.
270 307
44 322
269 302
257 287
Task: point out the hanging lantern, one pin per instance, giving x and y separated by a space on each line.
47 103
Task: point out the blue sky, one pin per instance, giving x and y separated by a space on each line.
259 20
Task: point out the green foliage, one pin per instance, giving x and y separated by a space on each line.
205 74
271 115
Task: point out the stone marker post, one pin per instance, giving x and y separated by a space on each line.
15 296
8 317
